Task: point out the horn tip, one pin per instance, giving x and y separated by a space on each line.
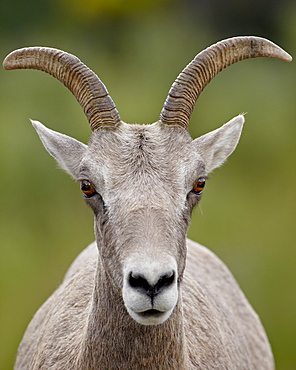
11 60
277 51
7 62
286 56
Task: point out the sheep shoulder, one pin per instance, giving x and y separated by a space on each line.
57 328
223 321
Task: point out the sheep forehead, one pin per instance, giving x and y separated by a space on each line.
140 155
130 141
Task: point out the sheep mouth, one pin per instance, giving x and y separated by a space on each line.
151 313
150 317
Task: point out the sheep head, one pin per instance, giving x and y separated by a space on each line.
142 181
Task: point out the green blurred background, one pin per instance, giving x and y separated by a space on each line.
247 215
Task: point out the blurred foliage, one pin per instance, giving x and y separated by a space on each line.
90 10
247 215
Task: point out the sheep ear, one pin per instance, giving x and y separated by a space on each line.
67 151
217 145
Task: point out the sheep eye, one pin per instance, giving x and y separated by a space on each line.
87 188
199 186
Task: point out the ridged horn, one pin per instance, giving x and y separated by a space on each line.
207 64
84 84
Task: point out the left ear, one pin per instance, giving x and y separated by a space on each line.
68 152
215 146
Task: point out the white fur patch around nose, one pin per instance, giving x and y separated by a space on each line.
150 290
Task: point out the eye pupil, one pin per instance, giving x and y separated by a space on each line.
87 188
199 186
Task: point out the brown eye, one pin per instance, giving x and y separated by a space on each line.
87 188
199 186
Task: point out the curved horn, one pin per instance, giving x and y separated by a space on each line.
194 78
85 85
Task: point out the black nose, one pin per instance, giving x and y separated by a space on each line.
140 283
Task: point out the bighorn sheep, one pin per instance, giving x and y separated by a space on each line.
142 296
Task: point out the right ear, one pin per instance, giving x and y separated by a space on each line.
215 146
68 152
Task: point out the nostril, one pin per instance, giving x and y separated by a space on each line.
138 281
165 281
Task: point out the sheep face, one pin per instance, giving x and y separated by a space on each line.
144 210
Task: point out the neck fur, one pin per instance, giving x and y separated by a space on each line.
114 340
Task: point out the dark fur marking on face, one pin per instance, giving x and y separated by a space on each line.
142 139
